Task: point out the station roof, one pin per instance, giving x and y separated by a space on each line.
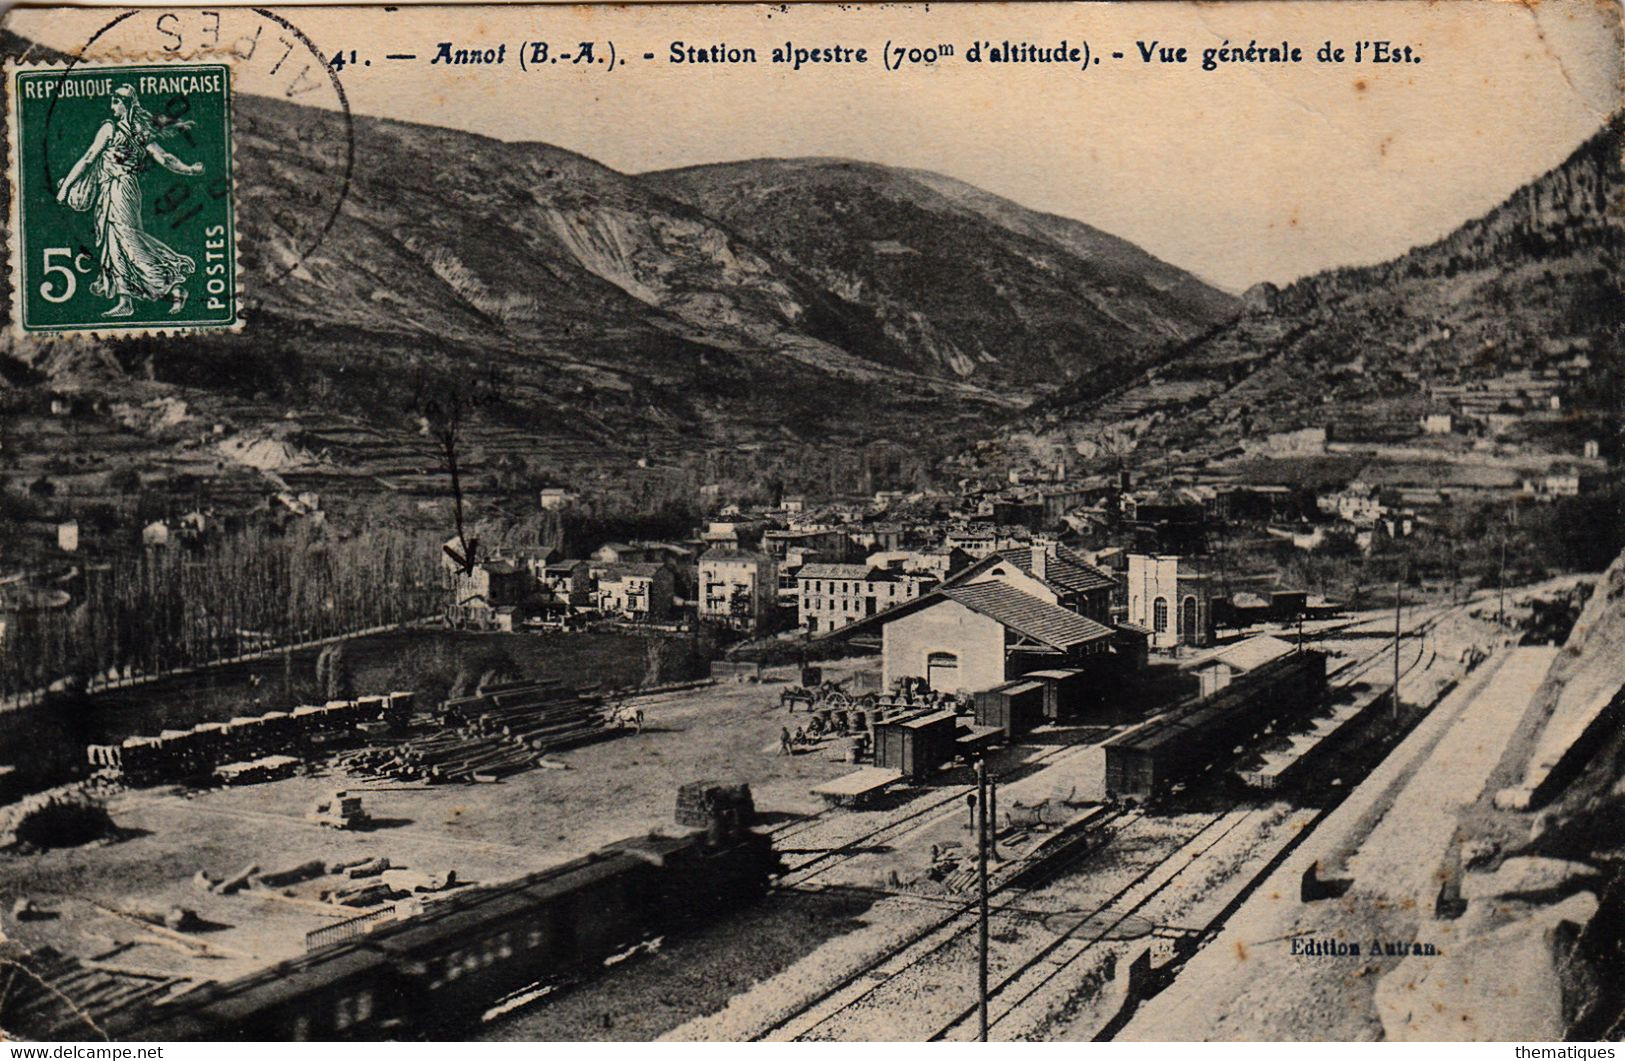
1028 615
1058 674
1250 654
1065 570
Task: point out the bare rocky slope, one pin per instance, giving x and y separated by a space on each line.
958 281
1536 277
1542 933
620 311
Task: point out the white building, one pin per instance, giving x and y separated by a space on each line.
973 637
1356 503
635 591
1169 600
554 498
737 588
829 596
1557 483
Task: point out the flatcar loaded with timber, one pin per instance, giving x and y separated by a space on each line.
448 965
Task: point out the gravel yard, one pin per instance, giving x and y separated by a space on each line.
620 787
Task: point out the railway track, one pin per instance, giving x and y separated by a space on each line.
1354 670
913 818
1350 670
929 939
917 818
1346 672
960 1026
892 970
961 1022
1087 928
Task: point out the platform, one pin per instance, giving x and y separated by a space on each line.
858 786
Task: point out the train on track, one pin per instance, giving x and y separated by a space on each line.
442 969
1187 740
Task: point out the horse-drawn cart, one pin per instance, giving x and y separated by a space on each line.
827 696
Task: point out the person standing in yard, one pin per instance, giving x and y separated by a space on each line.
784 742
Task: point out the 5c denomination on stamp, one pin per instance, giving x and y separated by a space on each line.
122 198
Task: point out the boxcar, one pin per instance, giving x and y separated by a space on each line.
1015 707
916 745
1188 739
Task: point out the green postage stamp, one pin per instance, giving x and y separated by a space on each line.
122 201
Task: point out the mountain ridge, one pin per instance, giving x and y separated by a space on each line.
1532 280
919 224
604 299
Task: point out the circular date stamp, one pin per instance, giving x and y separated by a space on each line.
176 168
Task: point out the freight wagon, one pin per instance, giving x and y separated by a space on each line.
1014 707
177 755
443 968
1082 694
1185 741
1063 690
916 745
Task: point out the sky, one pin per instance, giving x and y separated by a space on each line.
1249 172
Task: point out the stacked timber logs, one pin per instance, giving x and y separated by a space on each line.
700 803
176 755
506 729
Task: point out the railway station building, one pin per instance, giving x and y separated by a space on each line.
971 637
1169 597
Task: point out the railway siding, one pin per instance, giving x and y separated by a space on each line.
1246 984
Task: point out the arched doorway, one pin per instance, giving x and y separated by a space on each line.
942 671
1187 620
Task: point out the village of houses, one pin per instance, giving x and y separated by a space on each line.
807 567
1095 642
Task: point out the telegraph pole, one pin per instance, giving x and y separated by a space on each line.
1501 582
1399 600
981 878
993 819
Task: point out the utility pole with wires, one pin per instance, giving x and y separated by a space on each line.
981 880
1501 582
1399 602
993 820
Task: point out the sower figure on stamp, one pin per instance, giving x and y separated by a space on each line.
134 264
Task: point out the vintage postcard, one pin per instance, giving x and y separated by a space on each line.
814 522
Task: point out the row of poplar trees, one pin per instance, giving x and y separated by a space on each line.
259 589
